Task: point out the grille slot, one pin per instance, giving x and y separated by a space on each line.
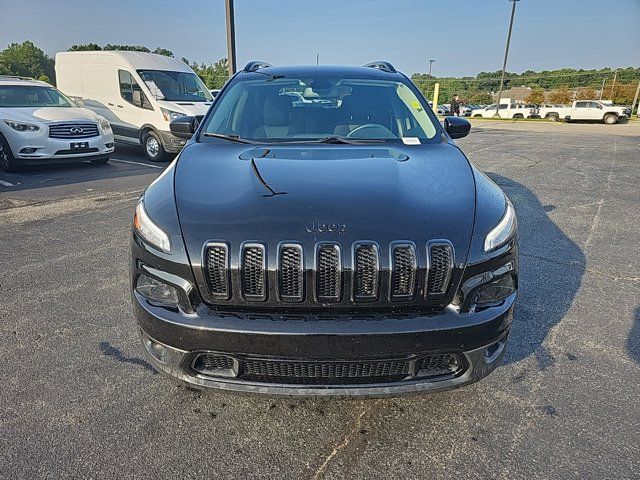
253 272
217 270
366 271
290 272
440 266
328 273
214 364
403 271
73 130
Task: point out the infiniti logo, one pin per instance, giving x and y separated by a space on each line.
325 227
76 130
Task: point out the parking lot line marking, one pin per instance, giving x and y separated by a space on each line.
136 163
6 184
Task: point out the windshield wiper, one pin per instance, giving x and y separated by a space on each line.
334 139
231 138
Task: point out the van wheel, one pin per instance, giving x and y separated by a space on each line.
153 148
610 118
477 115
7 161
553 117
518 115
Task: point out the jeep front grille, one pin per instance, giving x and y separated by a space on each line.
253 272
370 274
440 266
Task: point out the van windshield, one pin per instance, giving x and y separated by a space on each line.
175 86
32 96
319 106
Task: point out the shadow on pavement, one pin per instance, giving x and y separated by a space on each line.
551 271
633 342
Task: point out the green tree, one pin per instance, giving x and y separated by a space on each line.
85 47
130 48
163 51
213 75
561 95
26 60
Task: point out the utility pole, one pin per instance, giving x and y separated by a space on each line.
317 59
430 63
615 75
506 54
231 38
635 99
602 89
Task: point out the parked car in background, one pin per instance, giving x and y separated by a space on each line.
336 247
214 92
39 124
587 110
139 93
443 109
507 110
465 110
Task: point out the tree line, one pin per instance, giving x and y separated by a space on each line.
553 86
27 60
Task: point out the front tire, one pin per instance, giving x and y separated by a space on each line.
554 117
7 160
518 115
610 118
153 148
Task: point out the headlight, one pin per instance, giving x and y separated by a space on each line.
171 115
22 127
148 230
105 125
502 232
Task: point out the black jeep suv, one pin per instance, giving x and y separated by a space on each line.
322 234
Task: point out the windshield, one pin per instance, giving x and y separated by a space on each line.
175 86
32 96
317 107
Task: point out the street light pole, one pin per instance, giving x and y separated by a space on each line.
613 85
506 54
430 63
231 38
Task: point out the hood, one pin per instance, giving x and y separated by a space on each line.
50 114
188 108
309 194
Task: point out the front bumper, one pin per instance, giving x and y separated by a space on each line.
478 338
54 150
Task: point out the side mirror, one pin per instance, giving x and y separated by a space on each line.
457 127
599 107
184 127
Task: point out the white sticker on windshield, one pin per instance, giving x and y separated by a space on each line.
411 140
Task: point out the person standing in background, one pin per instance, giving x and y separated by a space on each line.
455 105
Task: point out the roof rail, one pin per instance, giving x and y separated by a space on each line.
255 65
381 65
16 77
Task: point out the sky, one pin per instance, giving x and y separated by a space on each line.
463 36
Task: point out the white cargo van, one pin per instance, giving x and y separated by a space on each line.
139 93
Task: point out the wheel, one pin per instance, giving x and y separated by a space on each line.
610 118
100 161
7 161
477 115
554 117
153 148
518 115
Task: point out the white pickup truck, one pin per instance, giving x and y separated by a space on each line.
587 110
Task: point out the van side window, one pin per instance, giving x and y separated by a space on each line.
131 92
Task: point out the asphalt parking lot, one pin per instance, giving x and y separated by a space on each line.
78 400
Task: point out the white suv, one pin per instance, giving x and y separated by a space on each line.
38 124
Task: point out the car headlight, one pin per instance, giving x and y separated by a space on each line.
22 127
171 115
148 230
105 125
503 231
